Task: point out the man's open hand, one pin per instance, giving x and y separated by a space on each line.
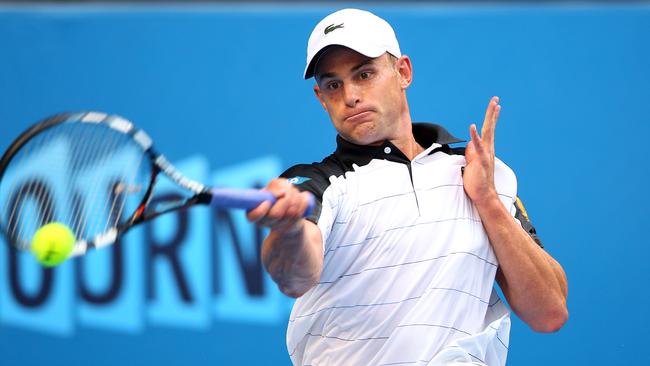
478 177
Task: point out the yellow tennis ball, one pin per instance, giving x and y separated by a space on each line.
52 244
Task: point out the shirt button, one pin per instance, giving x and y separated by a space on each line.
387 150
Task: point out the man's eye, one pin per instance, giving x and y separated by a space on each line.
364 75
333 85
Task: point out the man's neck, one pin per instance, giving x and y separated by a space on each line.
406 141
408 146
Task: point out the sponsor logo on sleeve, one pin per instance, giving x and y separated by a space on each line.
298 180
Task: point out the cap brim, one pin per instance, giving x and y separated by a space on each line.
364 49
309 70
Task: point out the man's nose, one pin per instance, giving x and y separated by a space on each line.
352 94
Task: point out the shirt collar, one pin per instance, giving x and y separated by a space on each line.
426 134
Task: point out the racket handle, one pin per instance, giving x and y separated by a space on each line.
248 199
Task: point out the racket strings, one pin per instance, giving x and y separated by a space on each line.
131 185
79 212
87 151
120 188
43 192
99 152
98 214
11 219
42 208
18 225
46 196
34 188
15 211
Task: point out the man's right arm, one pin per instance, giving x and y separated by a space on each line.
293 251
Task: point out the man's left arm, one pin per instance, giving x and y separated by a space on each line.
533 282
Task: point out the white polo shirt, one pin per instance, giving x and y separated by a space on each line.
408 270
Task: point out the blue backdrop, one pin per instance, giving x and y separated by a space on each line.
219 88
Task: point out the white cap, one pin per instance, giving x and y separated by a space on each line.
356 29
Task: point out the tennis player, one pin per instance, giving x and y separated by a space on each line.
397 264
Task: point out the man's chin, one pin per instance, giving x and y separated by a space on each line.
364 134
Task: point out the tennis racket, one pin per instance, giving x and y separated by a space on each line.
95 173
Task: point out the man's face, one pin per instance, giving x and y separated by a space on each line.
364 96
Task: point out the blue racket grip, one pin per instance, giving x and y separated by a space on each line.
248 199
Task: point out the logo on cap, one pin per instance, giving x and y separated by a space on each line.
332 27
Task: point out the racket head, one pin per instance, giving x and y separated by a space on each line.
90 171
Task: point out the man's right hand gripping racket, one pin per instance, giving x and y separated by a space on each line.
94 174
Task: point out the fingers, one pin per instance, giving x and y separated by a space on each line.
287 207
477 143
258 212
277 188
469 149
286 212
490 122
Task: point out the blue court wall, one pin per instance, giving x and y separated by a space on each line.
219 89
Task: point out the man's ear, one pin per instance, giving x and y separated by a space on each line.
405 70
319 96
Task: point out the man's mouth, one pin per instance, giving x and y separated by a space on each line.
359 116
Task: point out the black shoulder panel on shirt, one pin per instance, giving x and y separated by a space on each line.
456 150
